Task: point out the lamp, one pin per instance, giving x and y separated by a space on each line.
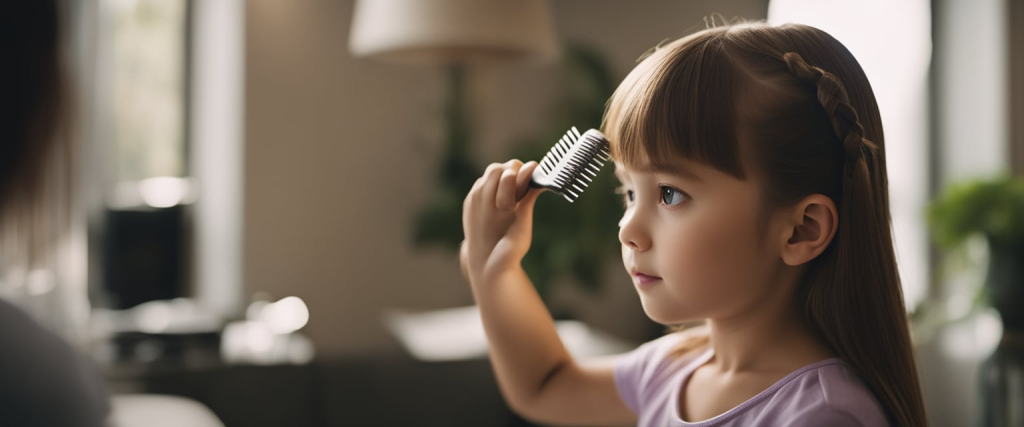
453 31
457 34
454 34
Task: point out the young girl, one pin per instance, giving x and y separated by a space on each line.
752 165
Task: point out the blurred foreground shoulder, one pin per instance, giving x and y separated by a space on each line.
43 380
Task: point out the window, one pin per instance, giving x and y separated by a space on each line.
142 95
147 84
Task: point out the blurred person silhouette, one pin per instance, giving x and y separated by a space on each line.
43 380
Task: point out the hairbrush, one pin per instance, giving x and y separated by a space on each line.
572 163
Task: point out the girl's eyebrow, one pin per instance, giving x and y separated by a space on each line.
679 171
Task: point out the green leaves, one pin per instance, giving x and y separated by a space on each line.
993 207
569 239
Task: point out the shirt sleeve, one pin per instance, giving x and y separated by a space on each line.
633 370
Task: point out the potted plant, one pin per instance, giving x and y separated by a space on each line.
569 240
993 208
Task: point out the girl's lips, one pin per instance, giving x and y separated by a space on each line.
645 280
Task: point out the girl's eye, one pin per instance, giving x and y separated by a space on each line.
670 196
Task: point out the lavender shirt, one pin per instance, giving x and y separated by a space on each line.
826 393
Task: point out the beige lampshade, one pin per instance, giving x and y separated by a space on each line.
444 31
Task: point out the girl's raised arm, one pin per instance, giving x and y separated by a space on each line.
537 376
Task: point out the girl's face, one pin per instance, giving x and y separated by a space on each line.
696 229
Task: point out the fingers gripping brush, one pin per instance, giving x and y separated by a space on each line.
572 163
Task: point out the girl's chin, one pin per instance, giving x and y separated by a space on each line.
667 315
665 318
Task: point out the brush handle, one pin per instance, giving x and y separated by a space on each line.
522 192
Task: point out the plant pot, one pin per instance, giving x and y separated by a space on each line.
1001 376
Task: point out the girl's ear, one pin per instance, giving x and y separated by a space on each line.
810 228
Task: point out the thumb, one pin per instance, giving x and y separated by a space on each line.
528 201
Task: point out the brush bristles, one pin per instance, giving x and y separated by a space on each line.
574 161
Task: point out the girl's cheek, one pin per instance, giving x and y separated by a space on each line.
705 250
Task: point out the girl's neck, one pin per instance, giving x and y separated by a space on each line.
770 336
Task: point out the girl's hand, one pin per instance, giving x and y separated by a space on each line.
497 221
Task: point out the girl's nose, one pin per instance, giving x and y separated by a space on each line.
631 234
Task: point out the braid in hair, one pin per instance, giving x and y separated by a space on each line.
833 98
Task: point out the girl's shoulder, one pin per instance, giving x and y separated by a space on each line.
665 354
829 393
651 367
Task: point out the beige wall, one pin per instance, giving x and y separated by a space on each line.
340 153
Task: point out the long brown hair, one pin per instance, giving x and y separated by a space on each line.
36 153
34 103
809 124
